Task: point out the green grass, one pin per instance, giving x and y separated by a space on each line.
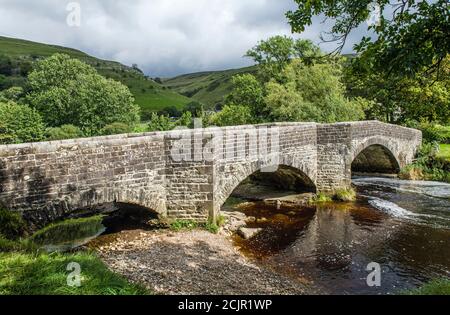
320 198
46 274
208 88
188 225
345 195
25 269
436 287
149 95
180 225
444 151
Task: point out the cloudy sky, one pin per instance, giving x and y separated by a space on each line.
164 37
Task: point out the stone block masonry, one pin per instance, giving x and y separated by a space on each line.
49 180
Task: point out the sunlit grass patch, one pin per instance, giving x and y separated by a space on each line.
46 274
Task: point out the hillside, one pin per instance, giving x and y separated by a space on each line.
208 88
21 54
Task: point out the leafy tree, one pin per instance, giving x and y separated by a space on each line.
171 111
160 123
311 93
19 123
68 91
247 91
63 132
397 99
410 36
275 53
185 120
232 115
195 108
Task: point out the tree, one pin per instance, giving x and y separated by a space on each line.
247 91
19 123
68 91
232 115
195 108
312 93
275 53
411 36
397 99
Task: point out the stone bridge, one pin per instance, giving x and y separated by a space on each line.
189 174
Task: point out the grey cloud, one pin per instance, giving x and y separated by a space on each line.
164 37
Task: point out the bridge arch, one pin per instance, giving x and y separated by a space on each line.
288 177
376 155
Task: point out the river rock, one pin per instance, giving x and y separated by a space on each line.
247 233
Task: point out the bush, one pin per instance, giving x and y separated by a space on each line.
63 132
116 128
160 123
19 123
12 226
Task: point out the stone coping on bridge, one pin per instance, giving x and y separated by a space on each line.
47 146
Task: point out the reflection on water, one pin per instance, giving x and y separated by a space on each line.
406 232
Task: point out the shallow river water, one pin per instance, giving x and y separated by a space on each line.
404 226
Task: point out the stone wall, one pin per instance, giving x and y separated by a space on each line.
185 174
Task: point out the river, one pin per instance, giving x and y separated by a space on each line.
404 226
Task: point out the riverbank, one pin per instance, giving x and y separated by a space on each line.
190 262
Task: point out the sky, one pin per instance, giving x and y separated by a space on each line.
164 37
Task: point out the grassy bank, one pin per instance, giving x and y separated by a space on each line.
25 273
432 163
444 152
27 270
436 287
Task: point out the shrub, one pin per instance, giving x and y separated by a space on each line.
12 226
116 128
63 132
348 194
160 123
19 123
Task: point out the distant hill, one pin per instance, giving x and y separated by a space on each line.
150 95
208 88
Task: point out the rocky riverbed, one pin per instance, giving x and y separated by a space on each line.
190 262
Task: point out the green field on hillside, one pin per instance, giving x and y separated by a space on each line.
150 95
208 88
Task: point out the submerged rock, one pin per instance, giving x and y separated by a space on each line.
247 233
